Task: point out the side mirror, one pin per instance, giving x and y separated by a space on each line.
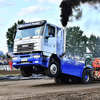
46 37
14 34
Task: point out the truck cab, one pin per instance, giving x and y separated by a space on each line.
35 45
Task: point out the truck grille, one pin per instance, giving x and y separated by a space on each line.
25 47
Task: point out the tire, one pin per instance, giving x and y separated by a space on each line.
61 78
53 69
75 80
64 78
86 77
56 80
26 71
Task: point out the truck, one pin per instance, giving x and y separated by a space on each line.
39 48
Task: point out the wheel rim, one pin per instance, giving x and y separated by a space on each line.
87 77
53 69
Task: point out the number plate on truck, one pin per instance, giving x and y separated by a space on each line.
23 59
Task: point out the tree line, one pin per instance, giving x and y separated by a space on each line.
76 42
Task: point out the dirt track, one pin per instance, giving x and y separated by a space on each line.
3 72
47 89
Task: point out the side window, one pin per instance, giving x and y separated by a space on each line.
46 36
59 34
49 33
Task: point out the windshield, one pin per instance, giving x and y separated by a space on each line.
29 32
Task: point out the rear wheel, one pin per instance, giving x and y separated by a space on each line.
56 80
75 80
86 77
61 78
53 69
26 71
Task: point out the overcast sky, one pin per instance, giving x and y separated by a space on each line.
30 10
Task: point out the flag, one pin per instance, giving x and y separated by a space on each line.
88 50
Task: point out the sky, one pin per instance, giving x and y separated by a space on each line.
32 10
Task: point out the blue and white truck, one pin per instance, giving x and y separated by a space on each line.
39 48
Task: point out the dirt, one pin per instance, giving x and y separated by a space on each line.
12 72
47 89
80 95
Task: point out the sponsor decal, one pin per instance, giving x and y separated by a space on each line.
31 24
23 59
24 45
46 44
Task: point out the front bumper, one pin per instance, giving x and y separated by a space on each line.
29 60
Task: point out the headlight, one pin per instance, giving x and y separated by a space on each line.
15 50
14 58
36 56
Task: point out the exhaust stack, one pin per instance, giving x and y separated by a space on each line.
64 30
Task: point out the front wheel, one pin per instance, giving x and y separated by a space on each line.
86 76
26 71
53 69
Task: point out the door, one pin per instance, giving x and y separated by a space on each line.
49 40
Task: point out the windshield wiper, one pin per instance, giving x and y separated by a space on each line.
31 37
20 38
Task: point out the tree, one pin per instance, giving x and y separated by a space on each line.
10 32
83 44
94 45
74 41
97 49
